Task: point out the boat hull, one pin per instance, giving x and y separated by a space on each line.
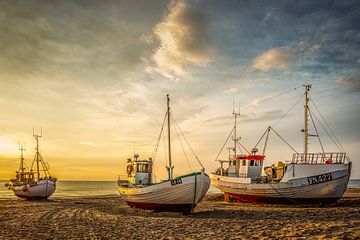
179 195
299 189
39 190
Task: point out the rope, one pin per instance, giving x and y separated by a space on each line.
337 142
284 140
224 143
240 145
158 140
317 133
187 160
262 137
289 110
177 126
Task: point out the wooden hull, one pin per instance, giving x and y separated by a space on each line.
180 195
39 190
296 190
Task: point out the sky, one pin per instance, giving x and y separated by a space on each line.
94 76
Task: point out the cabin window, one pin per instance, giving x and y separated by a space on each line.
252 162
138 167
145 168
244 162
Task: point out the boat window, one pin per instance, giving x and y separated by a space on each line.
138 167
145 168
252 162
244 162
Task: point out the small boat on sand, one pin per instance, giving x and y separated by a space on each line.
35 184
309 178
175 194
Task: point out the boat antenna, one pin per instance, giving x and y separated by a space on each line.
170 167
306 120
22 149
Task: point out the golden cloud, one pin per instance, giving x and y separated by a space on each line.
273 59
183 41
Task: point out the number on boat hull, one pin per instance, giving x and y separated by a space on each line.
176 181
320 178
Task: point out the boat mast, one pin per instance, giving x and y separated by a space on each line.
306 121
170 168
236 114
37 155
22 149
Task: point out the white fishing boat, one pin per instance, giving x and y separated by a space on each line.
35 184
309 178
179 194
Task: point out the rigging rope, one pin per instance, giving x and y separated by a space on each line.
240 145
283 140
158 140
225 143
177 126
317 133
289 110
337 142
187 160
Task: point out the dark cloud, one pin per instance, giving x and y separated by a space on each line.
352 83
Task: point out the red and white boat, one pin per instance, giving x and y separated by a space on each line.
178 194
35 184
310 178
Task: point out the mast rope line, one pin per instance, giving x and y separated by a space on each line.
292 107
283 139
158 140
327 124
241 146
192 150
182 147
283 93
224 143
329 135
317 133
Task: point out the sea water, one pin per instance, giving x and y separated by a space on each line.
73 189
101 188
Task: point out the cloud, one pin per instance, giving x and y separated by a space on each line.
183 41
231 90
353 83
273 59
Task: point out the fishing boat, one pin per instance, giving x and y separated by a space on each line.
309 178
176 194
34 184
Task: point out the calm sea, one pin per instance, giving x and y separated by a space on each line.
100 188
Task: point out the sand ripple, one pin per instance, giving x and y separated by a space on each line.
110 218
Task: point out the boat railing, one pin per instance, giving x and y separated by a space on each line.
320 158
122 180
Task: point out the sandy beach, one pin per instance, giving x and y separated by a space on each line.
108 217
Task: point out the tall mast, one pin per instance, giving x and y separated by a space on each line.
236 114
22 149
306 120
170 168
37 155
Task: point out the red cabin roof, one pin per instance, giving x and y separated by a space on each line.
251 157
